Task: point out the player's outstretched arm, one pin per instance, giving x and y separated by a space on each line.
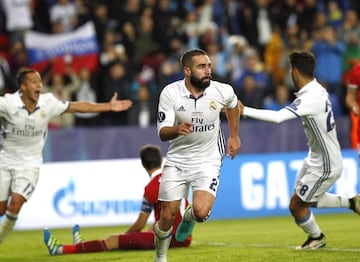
269 115
88 107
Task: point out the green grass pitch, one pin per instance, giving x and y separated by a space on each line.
258 239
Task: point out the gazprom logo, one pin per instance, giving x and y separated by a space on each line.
67 205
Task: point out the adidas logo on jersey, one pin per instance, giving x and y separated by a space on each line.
181 108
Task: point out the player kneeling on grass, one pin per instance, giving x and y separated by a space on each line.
133 238
323 165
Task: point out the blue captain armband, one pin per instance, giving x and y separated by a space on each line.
146 206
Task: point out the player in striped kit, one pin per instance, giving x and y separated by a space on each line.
323 164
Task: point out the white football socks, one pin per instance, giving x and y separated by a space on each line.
162 243
7 225
331 200
310 226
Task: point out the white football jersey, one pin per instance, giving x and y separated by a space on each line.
23 133
206 143
312 104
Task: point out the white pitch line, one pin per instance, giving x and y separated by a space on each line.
333 249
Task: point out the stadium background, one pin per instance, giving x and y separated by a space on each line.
92 174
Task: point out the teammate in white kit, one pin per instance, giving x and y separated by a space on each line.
189 118
323 164
24 120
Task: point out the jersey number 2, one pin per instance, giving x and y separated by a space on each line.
213 184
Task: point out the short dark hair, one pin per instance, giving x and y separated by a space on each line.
304 62
21 76
151 156
188 55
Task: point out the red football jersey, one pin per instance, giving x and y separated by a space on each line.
354 82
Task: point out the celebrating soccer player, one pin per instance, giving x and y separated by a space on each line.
323 165
25 116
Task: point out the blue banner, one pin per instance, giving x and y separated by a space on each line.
255 185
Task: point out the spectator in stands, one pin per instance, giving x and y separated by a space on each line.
209 35
350 34
144 96
273 53
279 99
256 24
250 93
329 51
190 28
64 12
170 70
134 237
114 79
286 15
63 91
204 14
306 17
102 22
334 13
82 11
18 18
128 32
236 63
163 20
130 12
255 68
112 50
351 54
219 57
18 57
142 113
2 22
41 16
264 20
350 26
87 91
6 80
25 115
145 45
225 14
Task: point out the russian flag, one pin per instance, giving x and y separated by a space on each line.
79 46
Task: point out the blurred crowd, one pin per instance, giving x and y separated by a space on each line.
140 43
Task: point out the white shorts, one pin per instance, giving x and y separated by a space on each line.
312 183
22 182
175 182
